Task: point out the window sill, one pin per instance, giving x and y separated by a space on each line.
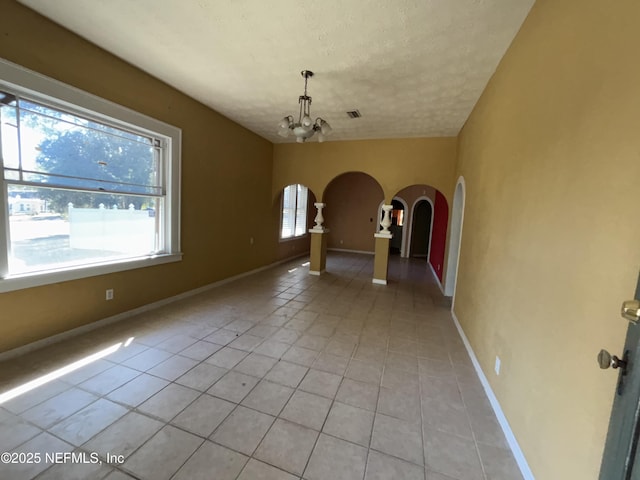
290 239
37 279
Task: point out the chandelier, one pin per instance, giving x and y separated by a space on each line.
305 127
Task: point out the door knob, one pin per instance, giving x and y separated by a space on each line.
631 310
606 360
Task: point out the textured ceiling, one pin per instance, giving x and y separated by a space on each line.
414 68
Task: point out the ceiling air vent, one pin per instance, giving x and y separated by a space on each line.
354 114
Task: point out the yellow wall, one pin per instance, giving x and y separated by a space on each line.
226 186
551 241
394 163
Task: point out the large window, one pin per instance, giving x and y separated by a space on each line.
89 187
294 211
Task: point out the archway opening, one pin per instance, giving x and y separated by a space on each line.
352 200
422 219
426 215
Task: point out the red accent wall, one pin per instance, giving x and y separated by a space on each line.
439 235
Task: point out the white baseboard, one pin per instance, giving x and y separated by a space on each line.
502 419
350 251
378 281
316 272
30 347
435 275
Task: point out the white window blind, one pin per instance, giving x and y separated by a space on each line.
294 211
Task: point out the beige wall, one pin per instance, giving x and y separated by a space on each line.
393 163
412 193
226 169
551 241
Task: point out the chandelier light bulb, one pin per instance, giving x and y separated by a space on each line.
306 121
284 124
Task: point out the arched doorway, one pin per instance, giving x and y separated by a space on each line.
457 218
421 228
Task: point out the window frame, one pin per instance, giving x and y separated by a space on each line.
56 94
295 214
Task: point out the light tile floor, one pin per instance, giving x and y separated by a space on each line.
279 375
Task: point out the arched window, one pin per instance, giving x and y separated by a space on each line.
294 211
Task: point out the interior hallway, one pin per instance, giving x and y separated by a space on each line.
278 375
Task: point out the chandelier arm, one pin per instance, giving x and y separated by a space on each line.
307 105
302 109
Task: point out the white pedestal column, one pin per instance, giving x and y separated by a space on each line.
318 254
386 219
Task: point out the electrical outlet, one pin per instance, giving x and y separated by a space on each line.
251 241
109 294
497 367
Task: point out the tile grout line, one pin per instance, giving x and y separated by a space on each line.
422 424
375 413
398 294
